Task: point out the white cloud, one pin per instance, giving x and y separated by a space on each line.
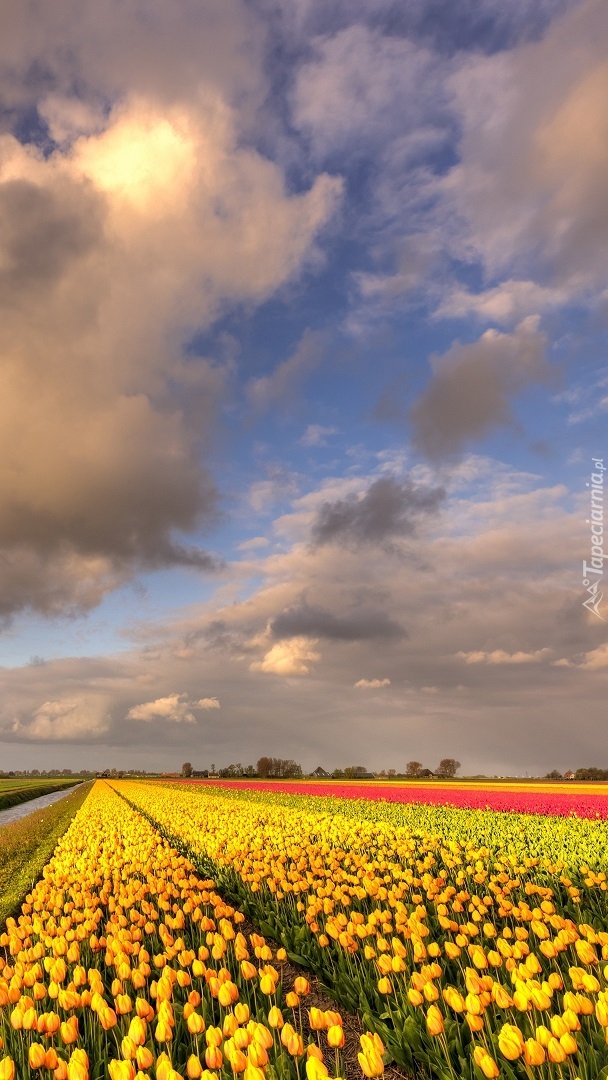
254 543
596 659
505 303
177 708
533 168
372 684
62 721
316 435
501 656
361 86
291 657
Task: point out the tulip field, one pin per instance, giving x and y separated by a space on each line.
197 930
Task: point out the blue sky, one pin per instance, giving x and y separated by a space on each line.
303 371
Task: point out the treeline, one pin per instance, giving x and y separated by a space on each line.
267 768
591 773
77 774
274 768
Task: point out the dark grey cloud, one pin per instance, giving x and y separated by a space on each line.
472 386
312 621
42 231
389 509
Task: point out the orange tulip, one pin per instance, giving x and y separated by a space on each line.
213 1057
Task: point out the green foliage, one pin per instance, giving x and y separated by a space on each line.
26 791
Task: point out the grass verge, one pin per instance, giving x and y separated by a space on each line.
32 791
27 845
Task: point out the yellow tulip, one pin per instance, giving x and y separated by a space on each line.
121 1070
316 1019
315 1069
275 1017
485 1062
335 1036
257 1055
555 1051
510 1042
534 1053
251 1073
36 1056
371 1064
138 1030
163 1031
77 1070
568 1043
434 1020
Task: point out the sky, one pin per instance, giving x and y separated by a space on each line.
304 383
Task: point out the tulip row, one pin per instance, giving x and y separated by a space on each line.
465 961
125 963
564 842
583 800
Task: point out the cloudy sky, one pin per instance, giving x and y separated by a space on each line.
303 368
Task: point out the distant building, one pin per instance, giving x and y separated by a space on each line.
426 774
320 773
569 775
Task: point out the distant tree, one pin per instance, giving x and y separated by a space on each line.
554 775
232 770
392 773
355 772
591 773
338 774
249 770
278 768
187 768
413 768
447 768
